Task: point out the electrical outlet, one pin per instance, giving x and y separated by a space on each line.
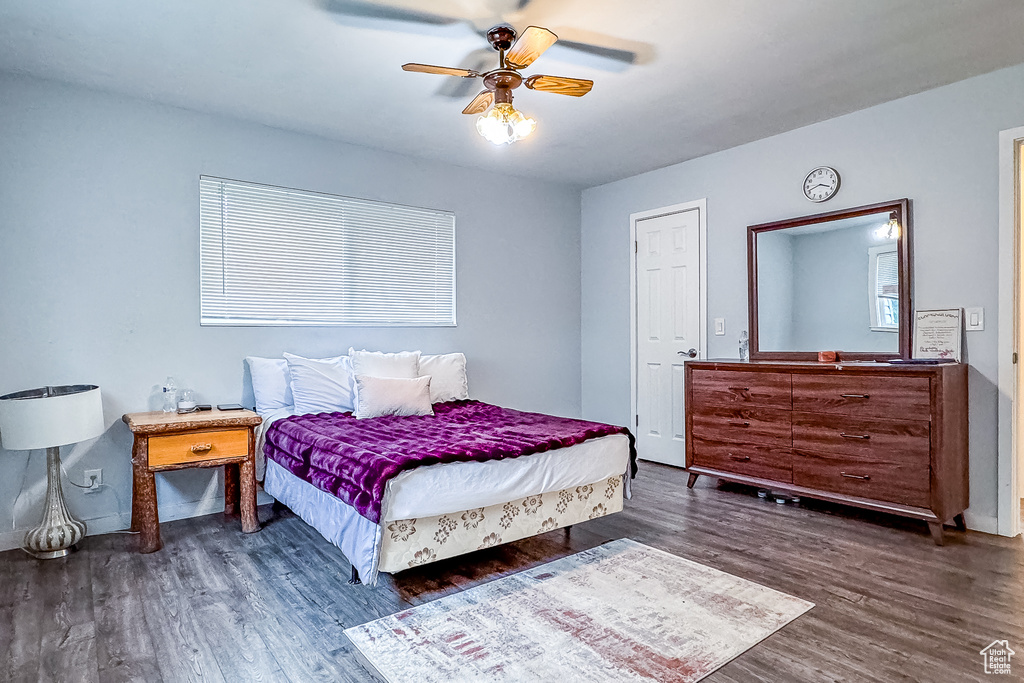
94 478
719 326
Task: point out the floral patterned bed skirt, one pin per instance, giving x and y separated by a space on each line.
411 542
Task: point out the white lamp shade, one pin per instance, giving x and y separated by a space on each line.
51 416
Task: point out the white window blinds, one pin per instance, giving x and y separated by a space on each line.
887 280
277 256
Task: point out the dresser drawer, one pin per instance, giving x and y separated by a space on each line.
174 449
902 441
764 462
738 388
763 426
878 396
886 481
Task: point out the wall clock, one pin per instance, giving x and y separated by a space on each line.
821 184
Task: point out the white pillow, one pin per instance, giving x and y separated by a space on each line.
270 383
401 365
377 396
447 376
320 385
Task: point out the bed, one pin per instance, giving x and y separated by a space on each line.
444 509
386 455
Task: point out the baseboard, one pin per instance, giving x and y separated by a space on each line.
120 522
983 523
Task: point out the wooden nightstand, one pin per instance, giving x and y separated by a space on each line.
211 438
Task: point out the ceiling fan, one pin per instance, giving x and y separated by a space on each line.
503 124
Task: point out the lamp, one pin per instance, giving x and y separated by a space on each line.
49 418
504 124
890 230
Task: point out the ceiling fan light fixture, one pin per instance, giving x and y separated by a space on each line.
503 124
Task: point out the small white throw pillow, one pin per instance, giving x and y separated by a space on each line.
378 396
447 376
270 385
321 385
402 365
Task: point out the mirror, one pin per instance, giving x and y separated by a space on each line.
836 281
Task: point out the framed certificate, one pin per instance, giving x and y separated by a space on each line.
937 334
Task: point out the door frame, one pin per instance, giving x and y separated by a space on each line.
702 206
1008 493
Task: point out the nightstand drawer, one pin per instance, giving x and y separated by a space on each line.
175 449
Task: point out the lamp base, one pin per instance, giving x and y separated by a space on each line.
51 554
58 534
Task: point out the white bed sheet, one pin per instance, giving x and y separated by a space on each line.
261 434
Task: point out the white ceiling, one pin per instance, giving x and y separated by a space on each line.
712 74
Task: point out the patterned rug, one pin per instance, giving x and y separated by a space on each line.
620 612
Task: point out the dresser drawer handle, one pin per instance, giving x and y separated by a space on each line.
739 388
740 458
855 395
739 424
854 436
865 477
202 447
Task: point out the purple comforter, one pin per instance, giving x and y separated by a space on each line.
354 459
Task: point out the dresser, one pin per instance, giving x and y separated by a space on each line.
891 438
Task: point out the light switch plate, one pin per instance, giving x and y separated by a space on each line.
719 327
975 319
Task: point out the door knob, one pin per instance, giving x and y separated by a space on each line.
692 353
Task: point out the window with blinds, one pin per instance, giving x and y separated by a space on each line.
278 256
884 288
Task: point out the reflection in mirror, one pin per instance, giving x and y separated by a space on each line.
832 285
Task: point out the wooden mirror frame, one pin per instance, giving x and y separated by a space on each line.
902 209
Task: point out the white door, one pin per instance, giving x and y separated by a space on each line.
667 329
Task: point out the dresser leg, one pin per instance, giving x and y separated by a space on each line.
231 489
692 480
247 494
961 525
936 529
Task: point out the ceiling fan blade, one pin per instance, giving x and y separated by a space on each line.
531 44
480 61
442 70
480 103
615 54
577 87
373 10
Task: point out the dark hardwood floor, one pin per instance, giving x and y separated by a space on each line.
216 605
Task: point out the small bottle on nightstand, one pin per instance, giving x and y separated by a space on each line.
170 396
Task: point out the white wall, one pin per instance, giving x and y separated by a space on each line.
939 148
99 274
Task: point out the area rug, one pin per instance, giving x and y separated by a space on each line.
620 612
